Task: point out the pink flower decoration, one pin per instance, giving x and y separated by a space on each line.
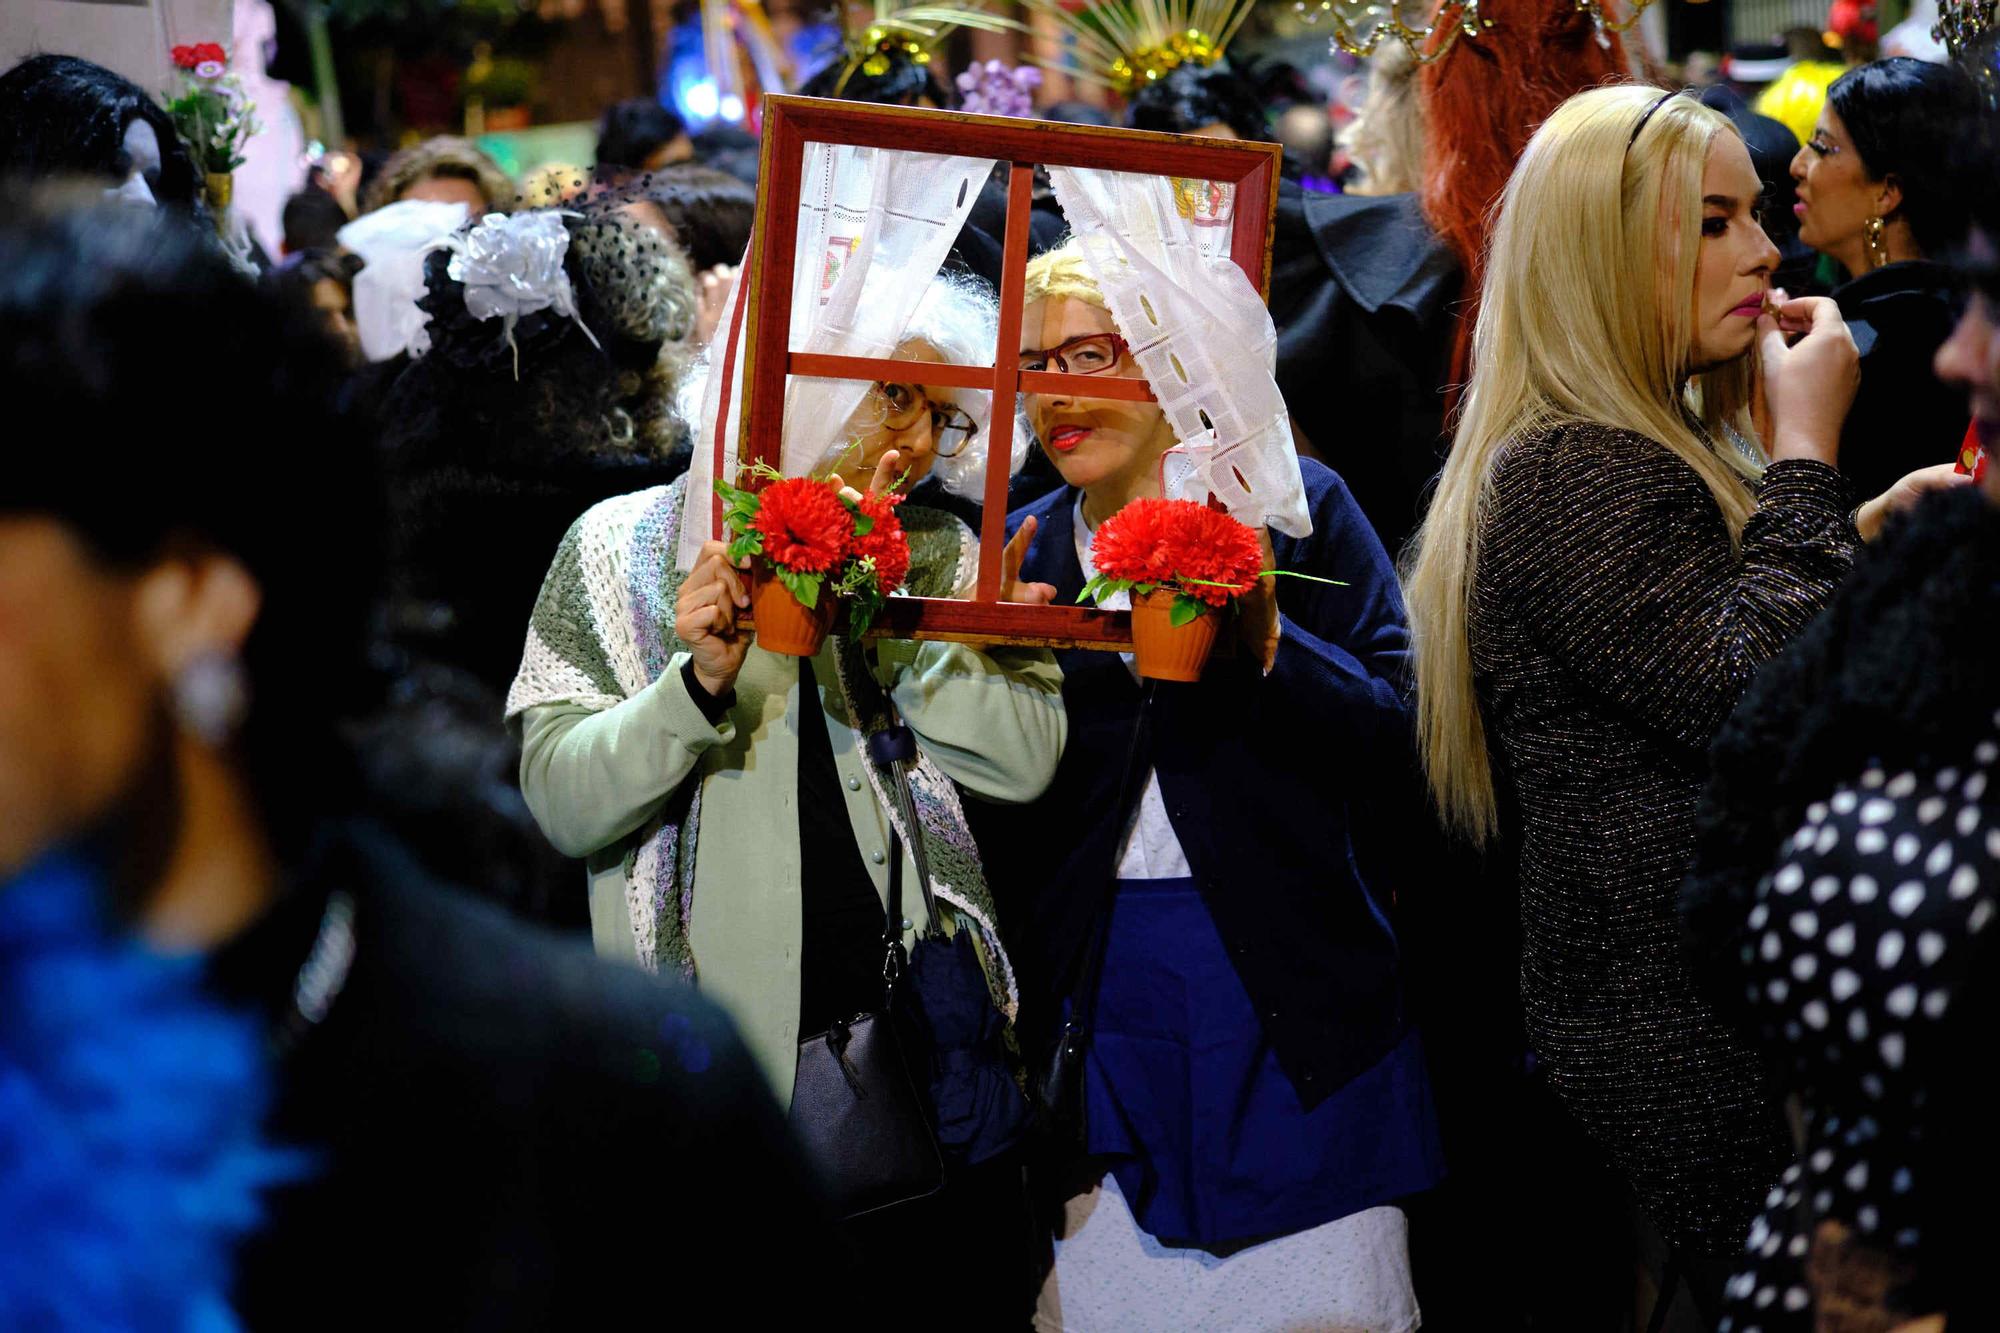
994 89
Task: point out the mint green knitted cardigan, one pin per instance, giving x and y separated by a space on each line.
602 630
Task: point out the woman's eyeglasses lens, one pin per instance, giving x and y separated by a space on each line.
1093 355
951 430
900 406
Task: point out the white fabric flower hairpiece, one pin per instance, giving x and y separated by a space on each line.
512 265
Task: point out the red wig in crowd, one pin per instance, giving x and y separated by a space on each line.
1483 100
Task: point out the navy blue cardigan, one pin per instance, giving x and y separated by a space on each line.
1273 785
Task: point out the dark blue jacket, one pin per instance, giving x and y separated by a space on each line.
1289 794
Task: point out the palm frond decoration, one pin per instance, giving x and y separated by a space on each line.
1126 44
911 31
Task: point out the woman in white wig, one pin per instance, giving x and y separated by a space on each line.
722 796
940 434
955 322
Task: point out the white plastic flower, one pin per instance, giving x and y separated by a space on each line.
512 265
209 69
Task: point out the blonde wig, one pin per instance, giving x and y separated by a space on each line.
1386 136
1586 316
1061 272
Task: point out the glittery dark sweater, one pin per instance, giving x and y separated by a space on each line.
1613 629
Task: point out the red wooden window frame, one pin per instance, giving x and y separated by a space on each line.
790 123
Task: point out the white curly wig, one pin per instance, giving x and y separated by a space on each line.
959 319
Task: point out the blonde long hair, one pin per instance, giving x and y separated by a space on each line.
1386 137
1586 316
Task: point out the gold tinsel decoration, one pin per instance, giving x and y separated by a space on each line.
911 32
1126 44
1359 28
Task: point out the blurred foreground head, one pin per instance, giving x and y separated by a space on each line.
640 135
187 554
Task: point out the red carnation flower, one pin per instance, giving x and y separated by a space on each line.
210 51
885 542
187 57
805 527
1129 544
1200 551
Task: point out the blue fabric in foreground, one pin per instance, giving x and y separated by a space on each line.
131 1107
1205 1133
980 1112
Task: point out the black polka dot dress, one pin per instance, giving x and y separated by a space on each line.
1858 940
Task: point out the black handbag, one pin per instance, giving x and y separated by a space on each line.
856 1112
1057 1122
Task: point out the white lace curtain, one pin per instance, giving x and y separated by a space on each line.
1159 250
874 227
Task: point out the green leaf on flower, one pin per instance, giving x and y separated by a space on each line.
1186 609
858 576
865 605
804 587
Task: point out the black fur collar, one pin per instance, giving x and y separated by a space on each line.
1901 670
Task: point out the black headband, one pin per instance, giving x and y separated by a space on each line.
1664 99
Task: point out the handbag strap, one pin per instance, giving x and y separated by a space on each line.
1083 999
894 956
895 749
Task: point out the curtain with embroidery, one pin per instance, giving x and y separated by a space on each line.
875 225
1158 248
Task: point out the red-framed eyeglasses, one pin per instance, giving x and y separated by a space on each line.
1085 354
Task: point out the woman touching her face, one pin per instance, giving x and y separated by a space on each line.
1613 551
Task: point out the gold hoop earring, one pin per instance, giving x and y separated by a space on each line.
1871 234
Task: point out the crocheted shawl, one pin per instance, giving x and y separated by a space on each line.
603 630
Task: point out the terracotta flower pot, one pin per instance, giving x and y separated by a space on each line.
783 626
1163 650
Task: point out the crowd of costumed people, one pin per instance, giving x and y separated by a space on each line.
494 840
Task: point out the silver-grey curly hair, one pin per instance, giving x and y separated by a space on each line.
959 319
